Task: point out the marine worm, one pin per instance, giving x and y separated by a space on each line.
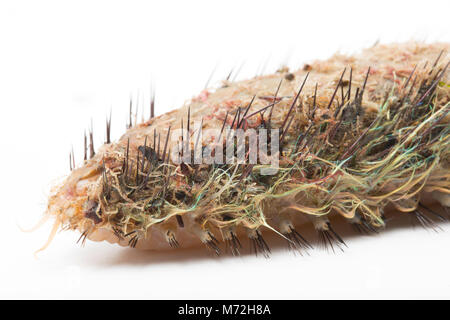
352 136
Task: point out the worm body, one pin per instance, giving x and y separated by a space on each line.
352 136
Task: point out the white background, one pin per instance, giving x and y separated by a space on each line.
65 63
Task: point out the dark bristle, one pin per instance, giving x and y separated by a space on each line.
152 103
229 75
179 152
106 186
184 168
433 85
275 99
92 211
293 103
73 159
91 144
336 89
137 167
425 221
85 146
173 243
223 126
128 151
434 213
335 128
213 244
338 109
262 110
246 172
333 166
182 138
245 113
238 71
119 233
108 129
233 244
133 241
260 245
263 67
212 237
189 122
130 124
296 240
409 77
137 109
236 116
364 85
349 94
286 129
179 221
314 103
326 240
83 237
353 146
436 61
143 154
165 146
301 138
210 77
328 237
